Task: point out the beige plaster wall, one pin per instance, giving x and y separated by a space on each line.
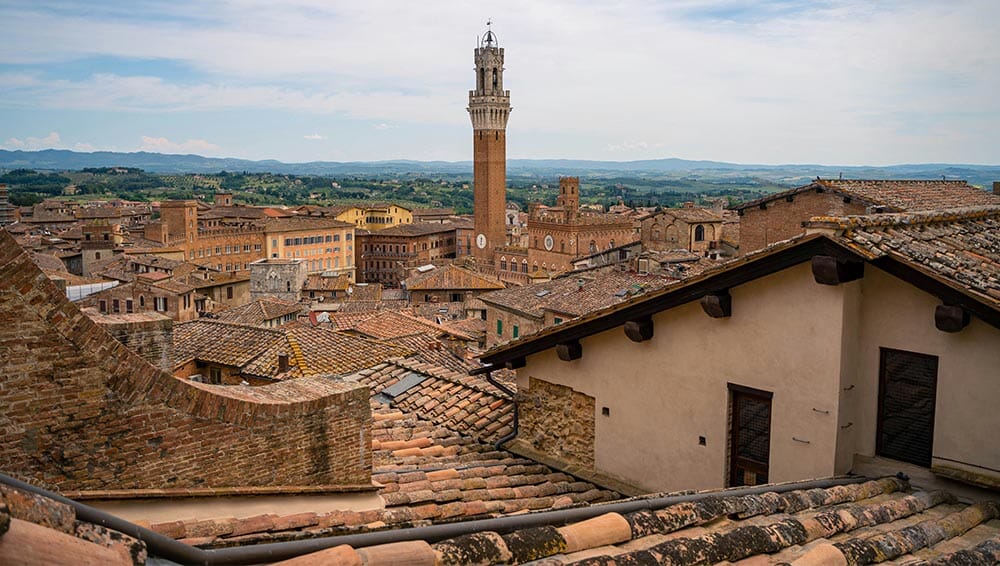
784 336
967 420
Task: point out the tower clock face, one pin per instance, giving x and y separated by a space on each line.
481 241
549 242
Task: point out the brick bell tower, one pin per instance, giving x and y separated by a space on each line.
489 108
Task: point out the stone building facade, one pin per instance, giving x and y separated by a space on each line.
281 279
691 228
149 292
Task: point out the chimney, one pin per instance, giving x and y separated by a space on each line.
282 363
688 204
996 187
579 284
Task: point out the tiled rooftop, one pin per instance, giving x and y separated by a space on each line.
428 349
385 325
452 277
960 245
566 295
864 523
897 195
256 313
311 351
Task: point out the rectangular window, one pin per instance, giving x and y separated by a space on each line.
329 238
749 435
906 398
499 327
336 238
257 247
115 307
214 375
274 242
129 305
288 241
297 241
160 304
229 292
557 320
187 301
515 332
246 247
103 305
348 236
218 250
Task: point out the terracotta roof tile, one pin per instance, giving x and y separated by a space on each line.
258 312
452 276
896 195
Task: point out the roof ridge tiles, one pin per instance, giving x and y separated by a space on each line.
945 215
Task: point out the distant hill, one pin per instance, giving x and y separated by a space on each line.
61 160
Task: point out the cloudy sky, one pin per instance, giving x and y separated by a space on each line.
786 81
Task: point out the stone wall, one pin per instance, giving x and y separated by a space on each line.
83 412
782 219
558 421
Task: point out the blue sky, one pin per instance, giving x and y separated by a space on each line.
789 81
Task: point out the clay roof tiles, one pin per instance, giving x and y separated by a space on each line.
959 245
452 277
258 312
575 294
896 195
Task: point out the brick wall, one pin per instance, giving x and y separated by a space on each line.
782 219
558 422
83 412
148 334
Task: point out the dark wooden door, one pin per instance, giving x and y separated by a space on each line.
749 436
907 393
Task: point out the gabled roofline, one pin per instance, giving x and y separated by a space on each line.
738 272
814 185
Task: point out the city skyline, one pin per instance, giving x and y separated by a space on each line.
833 82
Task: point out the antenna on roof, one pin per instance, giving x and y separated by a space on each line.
943 178
841 175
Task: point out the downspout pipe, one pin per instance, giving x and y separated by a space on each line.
488 370
170 549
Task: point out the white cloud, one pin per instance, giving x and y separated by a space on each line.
384 126
163 145
32 143
84 147
836 81
314 137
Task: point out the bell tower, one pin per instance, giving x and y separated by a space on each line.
489 108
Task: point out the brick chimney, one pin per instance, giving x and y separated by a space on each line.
996 187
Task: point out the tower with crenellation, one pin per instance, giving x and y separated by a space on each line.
489 108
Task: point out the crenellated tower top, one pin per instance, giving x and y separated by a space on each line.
489 103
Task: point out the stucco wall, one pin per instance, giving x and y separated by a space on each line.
967 422
784 336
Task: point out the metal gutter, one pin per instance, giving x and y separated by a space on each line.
167 548
488 370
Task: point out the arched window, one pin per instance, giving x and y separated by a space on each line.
503 264
142 301
495 81
524 266
593 246
611 244
699 233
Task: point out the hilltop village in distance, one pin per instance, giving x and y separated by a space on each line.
269 369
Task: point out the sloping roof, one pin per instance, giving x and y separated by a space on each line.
321 351
258 312
320 282
221 342
691 214
960 245
311 351
294 223
859 523
391 324
429 349
418 229
896 195
950 253
565 294
450 277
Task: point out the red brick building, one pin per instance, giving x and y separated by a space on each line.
779 216
387 255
